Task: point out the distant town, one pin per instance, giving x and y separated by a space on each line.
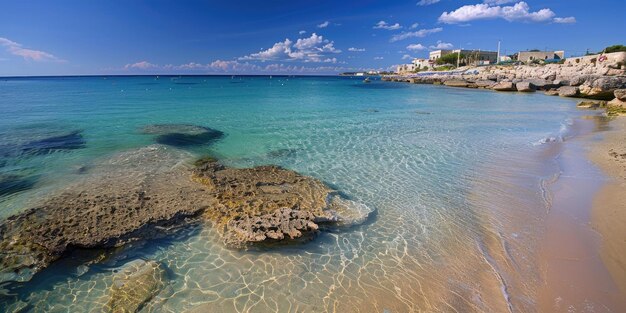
445 60
449 59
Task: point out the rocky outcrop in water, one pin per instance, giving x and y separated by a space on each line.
525 87
119 204
269 202
278 225
134 286
504 86
568 91
182 135
148 193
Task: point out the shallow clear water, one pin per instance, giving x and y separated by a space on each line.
448 171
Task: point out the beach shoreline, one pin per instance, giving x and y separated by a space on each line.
609 205
574 274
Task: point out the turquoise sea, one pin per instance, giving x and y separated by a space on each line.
457 178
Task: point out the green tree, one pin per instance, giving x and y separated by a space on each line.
615 48
449 58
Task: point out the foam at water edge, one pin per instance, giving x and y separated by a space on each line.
563 133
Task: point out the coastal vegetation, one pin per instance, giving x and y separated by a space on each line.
615 48
451 59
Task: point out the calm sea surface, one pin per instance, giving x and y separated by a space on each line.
449 171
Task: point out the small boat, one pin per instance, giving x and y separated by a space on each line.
367 80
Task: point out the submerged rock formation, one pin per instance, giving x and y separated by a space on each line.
12 183
147 192
70 141
134 286
182 135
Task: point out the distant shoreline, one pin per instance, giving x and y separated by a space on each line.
168 75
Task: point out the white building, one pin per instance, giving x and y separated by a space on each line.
421 63
529 56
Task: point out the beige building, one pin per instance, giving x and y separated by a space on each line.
434 55
405 68
529 56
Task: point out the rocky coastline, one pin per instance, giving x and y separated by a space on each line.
590 79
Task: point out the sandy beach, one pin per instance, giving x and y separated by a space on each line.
609 206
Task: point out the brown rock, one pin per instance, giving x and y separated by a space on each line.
504 86
568 91
484 83
590 104
525 87
134 286
106 210
620 94
455 83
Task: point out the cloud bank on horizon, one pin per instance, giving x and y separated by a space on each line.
372 38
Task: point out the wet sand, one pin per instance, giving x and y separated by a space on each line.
609 205
576 278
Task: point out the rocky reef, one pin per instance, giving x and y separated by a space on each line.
269 203
152 191
70 141
182 135
13 183
116 205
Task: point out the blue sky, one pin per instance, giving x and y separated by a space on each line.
85 37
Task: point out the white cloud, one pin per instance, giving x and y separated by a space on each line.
427 2
353 49
143 65
302 32
385 25
565 20
308 43
518 12
414 25
420 33
323 25
277 51
441 46
233 66
407 57
378 58
415 47
312 49
498 2
28 54
188 66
